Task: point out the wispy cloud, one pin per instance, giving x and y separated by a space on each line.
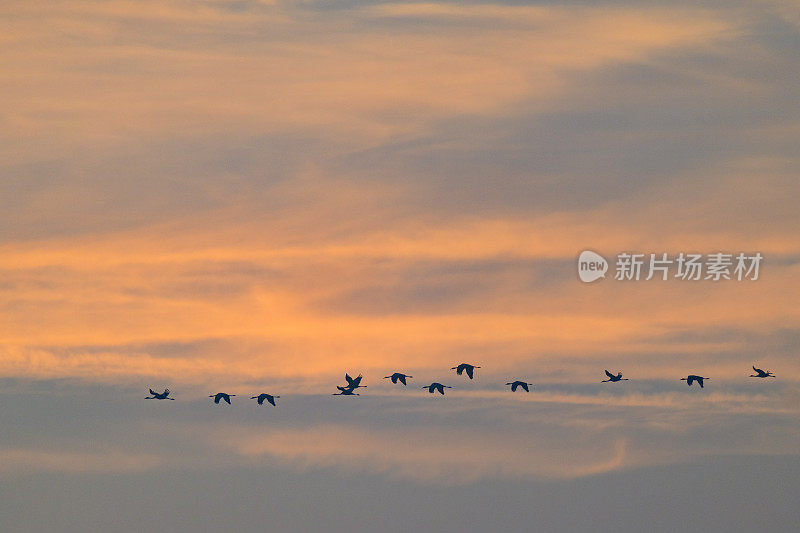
30 460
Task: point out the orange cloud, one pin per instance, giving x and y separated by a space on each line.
106 72
320 271
313 308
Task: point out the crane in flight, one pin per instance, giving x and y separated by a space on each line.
159 395
465 366
762 374
520 384
433 387
352 383
691 378
221 396
398 376
345 392
612 377
264 396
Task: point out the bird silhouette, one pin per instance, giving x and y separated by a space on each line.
159 395
264 396
345 392
352 383
464 366
436 387
221 396
762 374
691 377
516 384
398 376
612 377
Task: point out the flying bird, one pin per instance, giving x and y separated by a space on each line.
436 387
352 383
264 396
761 374
398 376
345 392
221 396
516 384
691 377
464 366
159 395
612 377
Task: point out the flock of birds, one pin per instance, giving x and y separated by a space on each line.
354 383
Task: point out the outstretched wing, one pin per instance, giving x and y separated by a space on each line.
524 386
271 399
402 379
609 374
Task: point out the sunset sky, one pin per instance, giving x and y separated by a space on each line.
259 196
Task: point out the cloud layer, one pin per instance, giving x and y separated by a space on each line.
268 194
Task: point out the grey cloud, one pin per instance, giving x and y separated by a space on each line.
441 286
